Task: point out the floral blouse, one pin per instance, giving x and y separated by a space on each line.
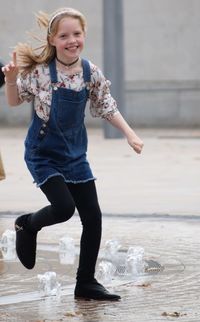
37 85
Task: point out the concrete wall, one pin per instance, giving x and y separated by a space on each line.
163 103
162 56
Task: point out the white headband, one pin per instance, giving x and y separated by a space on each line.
52 19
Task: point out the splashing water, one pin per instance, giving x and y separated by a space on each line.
112 247
134 261
7 245
8 238
67 251
48 284
105 272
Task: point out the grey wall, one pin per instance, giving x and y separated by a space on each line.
162 56
162 39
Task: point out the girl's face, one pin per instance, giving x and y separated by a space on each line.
69 39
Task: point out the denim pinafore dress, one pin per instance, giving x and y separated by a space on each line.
59 146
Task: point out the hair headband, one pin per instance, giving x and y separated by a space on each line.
52 19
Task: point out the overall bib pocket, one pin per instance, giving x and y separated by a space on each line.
70 113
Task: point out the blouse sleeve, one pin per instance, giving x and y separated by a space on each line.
27 86
102 104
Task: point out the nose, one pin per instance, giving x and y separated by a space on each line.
71 39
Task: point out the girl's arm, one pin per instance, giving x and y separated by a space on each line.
103 105
11 71
133 140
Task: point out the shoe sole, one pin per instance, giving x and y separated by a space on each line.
95 299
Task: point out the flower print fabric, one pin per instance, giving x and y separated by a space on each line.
36 85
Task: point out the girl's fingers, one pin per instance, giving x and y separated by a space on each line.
138 151
14 58
12 65
7 68
137 148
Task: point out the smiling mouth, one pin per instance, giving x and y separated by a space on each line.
72 48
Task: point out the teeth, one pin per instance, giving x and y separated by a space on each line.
72 47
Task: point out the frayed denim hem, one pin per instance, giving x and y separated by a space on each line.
66 180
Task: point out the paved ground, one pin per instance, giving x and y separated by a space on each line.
163 180
151 201
173 242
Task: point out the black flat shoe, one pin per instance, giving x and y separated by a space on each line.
25 242
93 291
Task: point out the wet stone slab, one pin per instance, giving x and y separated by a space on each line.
167 291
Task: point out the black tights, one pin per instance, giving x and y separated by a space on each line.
63 198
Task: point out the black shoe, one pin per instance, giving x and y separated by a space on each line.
25 242
93 291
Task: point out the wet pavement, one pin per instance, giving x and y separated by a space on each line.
149 201
171 241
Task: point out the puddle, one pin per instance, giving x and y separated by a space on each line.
24 286
169 282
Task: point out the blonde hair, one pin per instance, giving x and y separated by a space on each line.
27 56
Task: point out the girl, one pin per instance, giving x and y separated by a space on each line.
60 82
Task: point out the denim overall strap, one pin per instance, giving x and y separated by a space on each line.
86 70
53 72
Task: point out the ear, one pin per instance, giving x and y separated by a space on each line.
51 40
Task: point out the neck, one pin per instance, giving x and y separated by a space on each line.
69 64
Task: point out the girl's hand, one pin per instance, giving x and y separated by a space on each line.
135 142
11 70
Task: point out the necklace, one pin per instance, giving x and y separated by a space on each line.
68 65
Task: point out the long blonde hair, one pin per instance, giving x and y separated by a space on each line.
27 56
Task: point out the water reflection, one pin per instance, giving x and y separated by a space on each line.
91 310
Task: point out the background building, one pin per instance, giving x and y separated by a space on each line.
161 50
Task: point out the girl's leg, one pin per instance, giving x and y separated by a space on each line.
85 197
86 201
61 208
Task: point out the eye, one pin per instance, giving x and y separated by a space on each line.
62 36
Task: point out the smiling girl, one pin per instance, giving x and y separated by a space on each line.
60 83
